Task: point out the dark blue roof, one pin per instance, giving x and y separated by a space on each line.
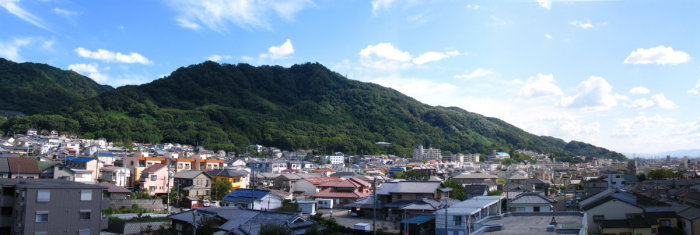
242 194
79 159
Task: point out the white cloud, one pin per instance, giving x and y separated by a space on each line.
595 93
276 52
474 74
583 25
547 4
217 14
639 90
657 100
384 56
109 56
89 70
631 127
473 6
216 57
578 128
64 12
695 90
429 57
10 49
13 8
378 4
541 85
424 90
658 55
548 36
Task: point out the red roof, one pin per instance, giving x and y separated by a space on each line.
331 193
322 180
153 168
360 182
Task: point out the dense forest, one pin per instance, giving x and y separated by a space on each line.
36 88
301 107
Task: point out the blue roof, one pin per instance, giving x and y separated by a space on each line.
79 159
244 195
503 153
105 153
419 219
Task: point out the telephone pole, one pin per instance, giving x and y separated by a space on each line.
374 218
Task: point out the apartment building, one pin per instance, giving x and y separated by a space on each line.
40 206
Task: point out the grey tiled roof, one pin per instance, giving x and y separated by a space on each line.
187 174
408 187
4 167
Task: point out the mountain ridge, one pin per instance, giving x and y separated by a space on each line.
305 106
34 88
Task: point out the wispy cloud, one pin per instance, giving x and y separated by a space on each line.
109 56
695 90
546 4
581 24
541 85
657 55
474 74
657 100
64 12
548 36
10 49
217 14
217 58
379 4
12 7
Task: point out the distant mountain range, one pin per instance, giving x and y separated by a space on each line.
229 107
691 153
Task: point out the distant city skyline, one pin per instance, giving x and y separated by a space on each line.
617 74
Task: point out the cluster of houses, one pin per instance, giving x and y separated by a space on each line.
597 196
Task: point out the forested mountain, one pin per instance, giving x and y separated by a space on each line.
302 107
35 88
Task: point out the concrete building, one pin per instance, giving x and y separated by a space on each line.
421 153
261 199
40 206
531 202
467 212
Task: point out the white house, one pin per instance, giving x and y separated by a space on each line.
262 199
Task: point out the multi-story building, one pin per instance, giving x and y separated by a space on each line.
156 179
43 206
421 153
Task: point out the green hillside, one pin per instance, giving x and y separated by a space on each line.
302 107
38 88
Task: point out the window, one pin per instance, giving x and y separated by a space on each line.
84 231
85 195
536 209
7 191
6 211
43 195
42 216
85 214
154 177
152 188
597 218
398 196
665 223
458 220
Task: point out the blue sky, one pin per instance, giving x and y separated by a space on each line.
618 74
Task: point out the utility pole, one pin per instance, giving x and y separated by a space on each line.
374 219
446 217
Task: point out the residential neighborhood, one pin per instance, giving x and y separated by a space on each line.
181 187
